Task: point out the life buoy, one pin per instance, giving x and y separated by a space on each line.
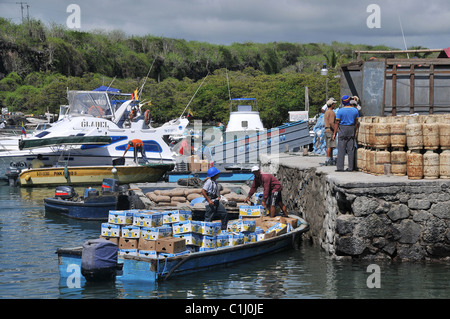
95 110
147 117
133 113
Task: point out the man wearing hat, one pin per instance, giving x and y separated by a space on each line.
211 192
272 190
329 119
346 125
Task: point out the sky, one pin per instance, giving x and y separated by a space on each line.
372 22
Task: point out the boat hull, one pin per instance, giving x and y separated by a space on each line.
90 209
84 175
138 269
230 177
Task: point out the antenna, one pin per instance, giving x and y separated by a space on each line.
403 35
22 7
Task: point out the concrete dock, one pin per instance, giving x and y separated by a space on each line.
363 216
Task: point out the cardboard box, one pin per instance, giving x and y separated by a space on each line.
147 253
208 242
114 240
165 255
191 239
145 244
176 216
246 225
170 245
128 243
290 221
131 231
204 166
195 167
235 239
222 240
249 238
127 252
278 229
210 228
120 217
147 219
110 230
251 211
154 233
188 226
269 235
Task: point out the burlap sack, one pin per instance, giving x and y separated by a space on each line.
189 191
193 196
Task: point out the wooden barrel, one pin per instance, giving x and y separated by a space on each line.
360 159
414 165
361 133
444 135
381 157
430 165
370 161
444 164
382 134
370 131
430 133
414 137
398 134
398 161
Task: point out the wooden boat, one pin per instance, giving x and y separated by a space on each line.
139 269
89 175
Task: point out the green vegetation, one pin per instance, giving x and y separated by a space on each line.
39 63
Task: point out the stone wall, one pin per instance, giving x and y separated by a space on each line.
406 220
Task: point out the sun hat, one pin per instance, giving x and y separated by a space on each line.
255 168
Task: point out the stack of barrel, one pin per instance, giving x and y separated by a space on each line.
416 146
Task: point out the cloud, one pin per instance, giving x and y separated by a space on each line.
226 21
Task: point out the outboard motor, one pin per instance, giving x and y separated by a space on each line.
12 173
90 192
110 185
65 192
99 260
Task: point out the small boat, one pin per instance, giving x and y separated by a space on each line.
140 269
89 175
93 205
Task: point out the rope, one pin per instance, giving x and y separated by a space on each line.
193 96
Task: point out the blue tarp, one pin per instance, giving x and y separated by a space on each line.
107 89
319 143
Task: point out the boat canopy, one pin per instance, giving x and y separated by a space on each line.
66 140
82 103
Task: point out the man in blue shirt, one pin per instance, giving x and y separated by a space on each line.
346 124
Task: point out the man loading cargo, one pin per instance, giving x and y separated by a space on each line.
272 190
211 191
138 146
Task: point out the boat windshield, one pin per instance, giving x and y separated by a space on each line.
82 103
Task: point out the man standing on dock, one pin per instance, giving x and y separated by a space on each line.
138 146
346 125
272 190
329 119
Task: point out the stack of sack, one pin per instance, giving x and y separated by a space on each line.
184 196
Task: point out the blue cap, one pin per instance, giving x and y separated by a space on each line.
212 172
346 100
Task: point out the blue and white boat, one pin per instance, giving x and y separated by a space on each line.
149 270
91 114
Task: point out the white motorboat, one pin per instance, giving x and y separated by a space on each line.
91 116
244 118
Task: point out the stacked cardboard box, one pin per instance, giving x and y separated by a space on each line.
196 164
144 233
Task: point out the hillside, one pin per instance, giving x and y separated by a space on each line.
38 63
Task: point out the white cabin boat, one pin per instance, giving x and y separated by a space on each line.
93 114
244 118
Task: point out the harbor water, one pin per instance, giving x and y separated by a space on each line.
29 238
